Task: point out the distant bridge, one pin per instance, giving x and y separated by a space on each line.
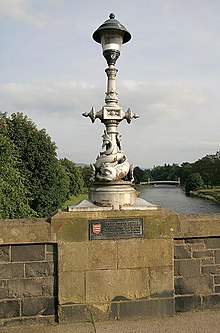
161 182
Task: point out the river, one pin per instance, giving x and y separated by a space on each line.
175 199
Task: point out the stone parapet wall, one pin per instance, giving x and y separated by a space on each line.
28 272
27 282
51 270
197 273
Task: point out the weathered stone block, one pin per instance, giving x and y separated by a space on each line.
3 289
202 254
208 261
49 287
199 225
217 256
71 287
187 267
217 289
39 232
211 269
39 269
161 280
187 303
38 307
13 232
217 279
104 311
211 302
73 256
70 227
198 247
9 308
179 242
136 309
11 270
25 231
21 288
134 253
50 247
182 252
4 254
104 285
161 223
75 312
194 240
49 256
202 285
213 242
102 255
28 252
51 252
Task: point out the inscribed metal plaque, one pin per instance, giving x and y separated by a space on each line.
116 228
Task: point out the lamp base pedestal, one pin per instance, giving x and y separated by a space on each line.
114 194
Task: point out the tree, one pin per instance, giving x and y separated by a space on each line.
45 177
193 182
87 175
209 169
141 175
216 171
166 172
76 182
14 196
186 170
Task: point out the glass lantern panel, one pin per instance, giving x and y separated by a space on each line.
112 39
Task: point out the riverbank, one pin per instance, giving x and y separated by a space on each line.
212 194
174 198
75 199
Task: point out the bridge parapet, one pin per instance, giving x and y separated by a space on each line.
161 182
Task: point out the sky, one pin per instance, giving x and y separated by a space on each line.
168 73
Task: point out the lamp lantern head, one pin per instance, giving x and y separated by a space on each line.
111 35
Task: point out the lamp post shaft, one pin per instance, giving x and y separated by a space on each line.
111 94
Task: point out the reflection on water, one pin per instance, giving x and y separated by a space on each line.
175 199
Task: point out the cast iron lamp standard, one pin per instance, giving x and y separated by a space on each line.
112 173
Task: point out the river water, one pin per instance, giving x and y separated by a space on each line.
175 199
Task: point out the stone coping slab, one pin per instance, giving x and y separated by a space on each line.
24 231
87 205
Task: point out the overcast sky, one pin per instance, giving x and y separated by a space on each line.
169 73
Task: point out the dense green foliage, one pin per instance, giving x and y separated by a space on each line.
207 171
75 175
33 182
14 195
87 175
193 182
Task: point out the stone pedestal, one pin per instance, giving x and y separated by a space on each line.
112 194
115 278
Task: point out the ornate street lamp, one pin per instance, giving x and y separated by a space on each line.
112 173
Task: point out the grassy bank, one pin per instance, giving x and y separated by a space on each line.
75 199
208 194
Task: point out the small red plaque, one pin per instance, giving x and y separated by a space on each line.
96 228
